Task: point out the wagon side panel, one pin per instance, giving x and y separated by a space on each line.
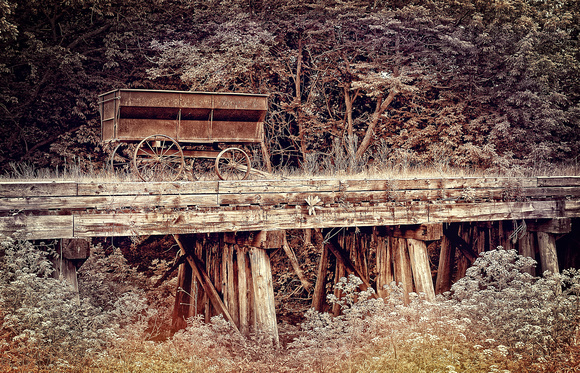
146 113
238 119
108 106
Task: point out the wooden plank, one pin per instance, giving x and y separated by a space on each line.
30 227
128 224
150 188
559 181
108 202
278 186
343 257
37 188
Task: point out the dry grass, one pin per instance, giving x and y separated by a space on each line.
317 167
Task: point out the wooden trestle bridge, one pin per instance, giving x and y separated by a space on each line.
225 229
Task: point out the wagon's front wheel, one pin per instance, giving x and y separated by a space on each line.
158 158
232 164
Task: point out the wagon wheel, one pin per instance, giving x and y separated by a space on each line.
158 158
120 159
232 164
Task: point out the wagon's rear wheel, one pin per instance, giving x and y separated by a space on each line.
120 159
232 164
158 158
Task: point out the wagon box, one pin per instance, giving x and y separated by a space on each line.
171 126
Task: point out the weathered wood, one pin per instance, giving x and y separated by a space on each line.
527 248
402 267
295 264
343 257
445 267
319 295
384 265
423 232
339 272
66 270
75 248
198 269
548 253
126 209
452 234
559 180
182 296
30 227
556 226
421 267
229 282
264 304
245 299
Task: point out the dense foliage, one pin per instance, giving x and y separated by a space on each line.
468 83
496 319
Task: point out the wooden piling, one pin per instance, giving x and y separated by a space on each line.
402 266
264 304
421 268
384 265
548 254
445 268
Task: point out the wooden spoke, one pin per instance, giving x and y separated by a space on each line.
233 164
158 158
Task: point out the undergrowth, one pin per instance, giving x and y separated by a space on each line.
496 319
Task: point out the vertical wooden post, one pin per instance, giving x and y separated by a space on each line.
338 274
264 305
182 297
319 296
384 269
245 292
403 273
445 268
527 249
229 283
463 262
421 268
548 253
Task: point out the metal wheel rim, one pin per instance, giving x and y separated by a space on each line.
113 165
230 166
155 162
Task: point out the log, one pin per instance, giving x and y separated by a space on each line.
198 269
445 268
264 304
527 248
339 272
421 268
343 257
182 297
402 266
319 295
245 299
384 268
548 253
295 264
229 282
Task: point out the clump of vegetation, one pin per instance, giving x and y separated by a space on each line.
497 318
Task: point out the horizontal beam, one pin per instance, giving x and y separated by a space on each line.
252 219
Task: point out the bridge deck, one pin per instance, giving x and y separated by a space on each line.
63 209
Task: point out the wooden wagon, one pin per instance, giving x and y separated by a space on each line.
155 132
